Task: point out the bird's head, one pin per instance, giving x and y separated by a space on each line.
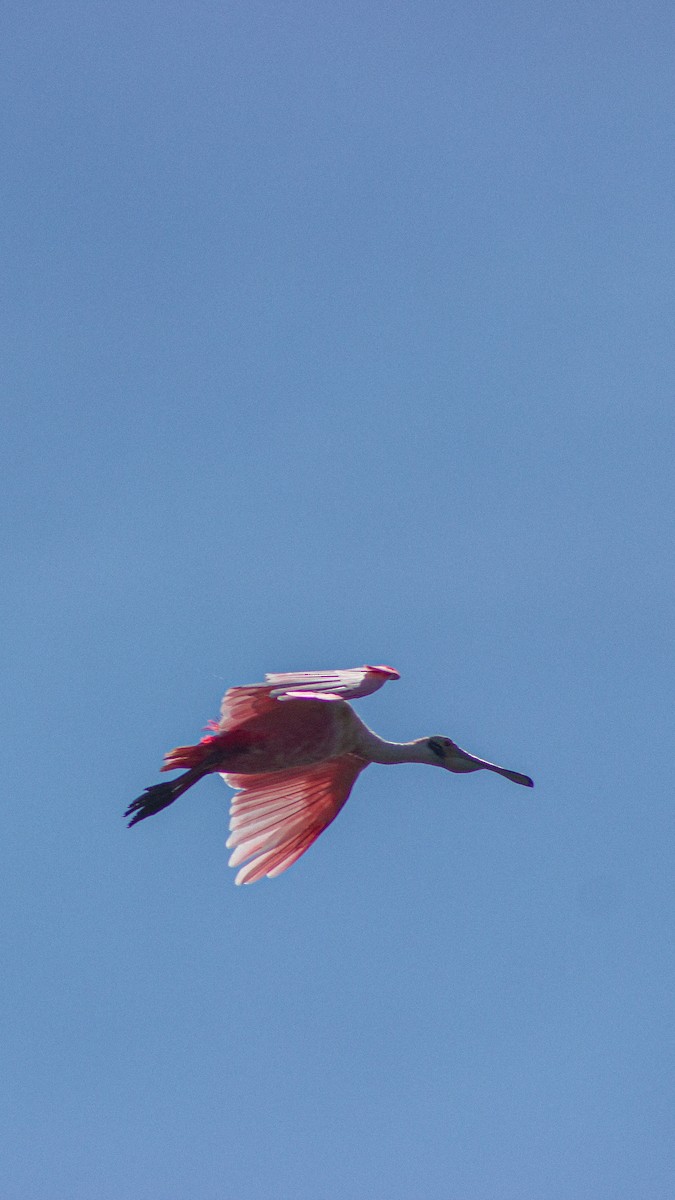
443 752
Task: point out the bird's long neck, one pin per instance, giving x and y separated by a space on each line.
378 750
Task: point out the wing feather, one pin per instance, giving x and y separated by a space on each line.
242 704
276 861
349 684
275 817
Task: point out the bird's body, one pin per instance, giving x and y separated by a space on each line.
292 747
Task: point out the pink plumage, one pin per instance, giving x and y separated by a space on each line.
292 748
275 817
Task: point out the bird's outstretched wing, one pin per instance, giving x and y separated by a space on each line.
275 817
349 684
241 704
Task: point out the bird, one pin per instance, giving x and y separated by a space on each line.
292 749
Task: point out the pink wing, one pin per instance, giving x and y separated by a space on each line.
240 704
349 684
275 817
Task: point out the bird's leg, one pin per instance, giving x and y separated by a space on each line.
161 795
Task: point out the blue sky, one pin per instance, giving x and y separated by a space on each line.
338 336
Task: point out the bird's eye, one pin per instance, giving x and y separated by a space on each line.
436 745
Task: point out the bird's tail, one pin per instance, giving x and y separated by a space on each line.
161 795
204 752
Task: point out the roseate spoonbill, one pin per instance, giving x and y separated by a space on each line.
292 748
